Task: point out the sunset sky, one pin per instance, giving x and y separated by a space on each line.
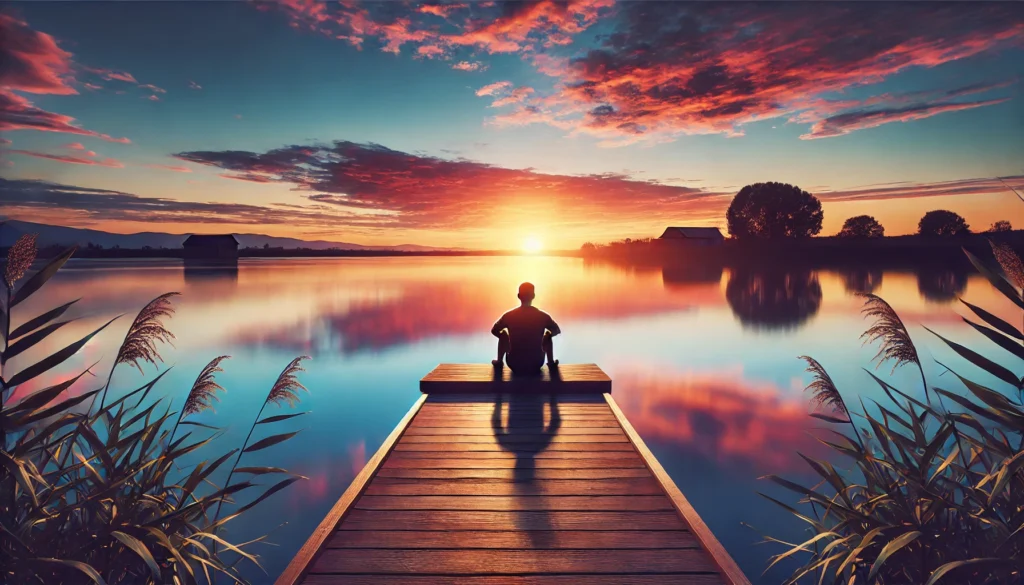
486 124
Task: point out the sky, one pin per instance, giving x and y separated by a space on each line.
490 124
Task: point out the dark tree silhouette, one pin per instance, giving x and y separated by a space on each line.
861 226
942 222
773 300
1001 226
774 210
862 280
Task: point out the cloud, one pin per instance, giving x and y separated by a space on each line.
4 141
516 96
915 190
152 98
176 169
17 113
112 75
153 88
43 199
847 122
494 88
194 85
710 68
469 66
419 191
74 146
31 61
71 159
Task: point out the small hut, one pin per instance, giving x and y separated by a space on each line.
211 247
694 236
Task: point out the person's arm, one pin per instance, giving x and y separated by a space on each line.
552 327
499 326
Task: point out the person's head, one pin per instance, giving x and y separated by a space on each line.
526 293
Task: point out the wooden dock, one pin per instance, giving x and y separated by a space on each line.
550 485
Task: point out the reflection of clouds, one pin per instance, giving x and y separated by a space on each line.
328 477
720 416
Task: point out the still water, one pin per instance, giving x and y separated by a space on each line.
704 363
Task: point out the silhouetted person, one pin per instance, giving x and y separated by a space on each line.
524 336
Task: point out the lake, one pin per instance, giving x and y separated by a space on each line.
704 362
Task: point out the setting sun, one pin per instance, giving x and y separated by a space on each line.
532 245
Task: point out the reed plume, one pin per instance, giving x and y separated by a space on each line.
824 393
1010 262
203 393
287 384
889 328
19 259
139 343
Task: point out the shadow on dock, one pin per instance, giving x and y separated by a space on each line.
526 417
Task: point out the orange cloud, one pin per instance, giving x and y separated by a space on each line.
75 160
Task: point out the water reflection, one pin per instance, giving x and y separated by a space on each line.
940 285
773 300
199 272
684 274
862 280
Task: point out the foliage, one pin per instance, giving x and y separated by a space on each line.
1001 226
934 496
106 496
942 222
861 226
774 210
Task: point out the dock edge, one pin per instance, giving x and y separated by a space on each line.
303 560
730 570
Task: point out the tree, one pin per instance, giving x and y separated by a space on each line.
1001 226
941 222
774 210
862 226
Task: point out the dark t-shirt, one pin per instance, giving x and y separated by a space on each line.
526 327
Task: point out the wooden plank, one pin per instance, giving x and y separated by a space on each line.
489 397
514 406
517 503
513 463
448 424
302 560
468 431
486 418
728 567
511 474
587 454
511 562
523 539
475 520
532 438
521 485
523 447
652 579
483 378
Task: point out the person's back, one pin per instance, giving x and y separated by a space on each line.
524 335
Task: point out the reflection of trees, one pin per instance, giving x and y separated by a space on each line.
773 299
941 285
862 280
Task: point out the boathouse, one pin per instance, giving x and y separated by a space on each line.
694 236
211 247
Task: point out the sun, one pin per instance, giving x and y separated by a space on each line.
532 245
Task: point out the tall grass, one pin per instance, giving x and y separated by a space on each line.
933 495
100 491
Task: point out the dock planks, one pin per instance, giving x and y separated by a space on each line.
484 378
527 489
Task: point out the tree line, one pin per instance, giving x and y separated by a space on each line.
779 210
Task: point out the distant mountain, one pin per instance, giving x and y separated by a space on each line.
50 235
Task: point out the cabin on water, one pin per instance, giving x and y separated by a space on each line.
211 247
693 236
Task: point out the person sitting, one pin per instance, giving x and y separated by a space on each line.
524 336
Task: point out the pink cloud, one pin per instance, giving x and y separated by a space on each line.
494 88
76 160
92 86
176 169
153 88
516 96
194 85
5 141
469 66
111 75
74 146
430 51
17 113
152 98
32 61
442 10
847 122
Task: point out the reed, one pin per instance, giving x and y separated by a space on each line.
933 496
100 496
